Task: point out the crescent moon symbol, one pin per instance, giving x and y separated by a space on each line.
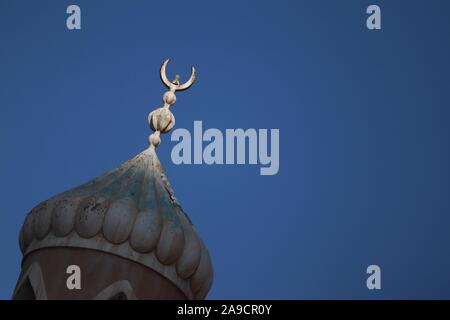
173 86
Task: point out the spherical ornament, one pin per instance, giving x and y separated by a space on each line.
161 120
169 98
154 139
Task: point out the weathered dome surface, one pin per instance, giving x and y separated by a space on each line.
130 212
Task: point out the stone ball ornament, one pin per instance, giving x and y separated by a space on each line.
169 98
162 120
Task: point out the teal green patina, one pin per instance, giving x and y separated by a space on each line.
141 179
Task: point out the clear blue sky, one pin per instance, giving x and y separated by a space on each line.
364 132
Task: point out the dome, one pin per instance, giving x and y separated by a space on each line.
130 212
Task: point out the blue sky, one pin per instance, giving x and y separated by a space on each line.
363 118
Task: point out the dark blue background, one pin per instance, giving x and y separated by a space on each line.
364 138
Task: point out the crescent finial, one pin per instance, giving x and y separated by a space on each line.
175 85
162 120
